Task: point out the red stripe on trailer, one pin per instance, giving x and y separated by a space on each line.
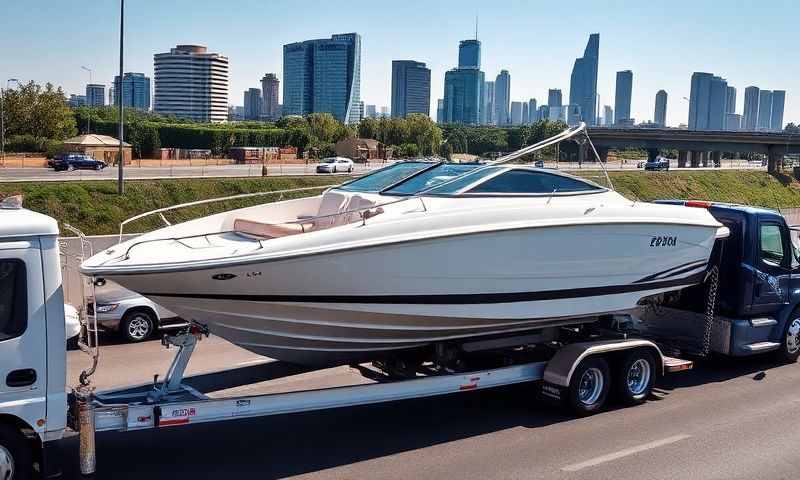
173 421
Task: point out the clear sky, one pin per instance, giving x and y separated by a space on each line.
747 42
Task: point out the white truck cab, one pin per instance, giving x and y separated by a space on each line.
33 397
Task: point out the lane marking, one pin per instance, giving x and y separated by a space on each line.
251 362
623 453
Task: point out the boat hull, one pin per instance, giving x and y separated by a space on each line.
371 302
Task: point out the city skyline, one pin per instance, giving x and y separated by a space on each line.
504 36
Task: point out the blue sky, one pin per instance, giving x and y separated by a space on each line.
747 42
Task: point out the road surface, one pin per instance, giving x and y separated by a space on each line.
133 173
728 419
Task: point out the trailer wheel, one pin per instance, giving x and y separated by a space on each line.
635 377
790 345
588 387
15 455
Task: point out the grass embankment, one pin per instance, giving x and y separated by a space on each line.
95 208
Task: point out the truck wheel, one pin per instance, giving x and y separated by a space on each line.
588 388
635 377
136 326
790 346
16 462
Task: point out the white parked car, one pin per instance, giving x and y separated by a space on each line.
72 324
334 165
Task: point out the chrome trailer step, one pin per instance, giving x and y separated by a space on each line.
759 347
672 364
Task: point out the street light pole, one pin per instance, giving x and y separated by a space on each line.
89 114
120 184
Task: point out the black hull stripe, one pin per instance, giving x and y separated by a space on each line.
683 268
456 299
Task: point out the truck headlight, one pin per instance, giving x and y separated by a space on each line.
105 308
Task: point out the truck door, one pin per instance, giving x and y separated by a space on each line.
772 269
23 338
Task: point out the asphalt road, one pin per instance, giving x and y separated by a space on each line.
726 419
132 173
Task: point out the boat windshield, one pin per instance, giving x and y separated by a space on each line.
385 177
429 178
515 181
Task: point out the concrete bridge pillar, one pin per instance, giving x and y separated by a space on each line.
696 156
652 153
683 157
716 159
704 158
775 158
582 147
603 153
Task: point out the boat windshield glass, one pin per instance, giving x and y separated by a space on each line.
524 181
458 184
426 179
385 177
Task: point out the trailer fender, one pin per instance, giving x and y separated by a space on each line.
561 367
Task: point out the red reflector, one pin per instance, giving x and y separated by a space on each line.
697 204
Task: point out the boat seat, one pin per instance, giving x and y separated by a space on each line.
332 204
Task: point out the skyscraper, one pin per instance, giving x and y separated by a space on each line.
750 120
516 113
583 81
660 115
95 95
543 112
469 54
487 113
269 92
730 100
502 98
252 104
526 119
707 102
463 95
622 97
778 100
533 114
764 109
370 111
135 91
554 97
608 115
323 75
191 83
411 88
440 111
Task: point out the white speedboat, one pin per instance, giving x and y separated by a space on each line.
415 254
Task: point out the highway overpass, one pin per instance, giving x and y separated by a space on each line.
695 147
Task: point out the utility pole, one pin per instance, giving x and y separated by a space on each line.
120 184
89 114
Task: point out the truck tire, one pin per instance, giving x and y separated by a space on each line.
137 326
589 386
790 343
16 460
635 377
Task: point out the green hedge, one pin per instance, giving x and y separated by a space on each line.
146 137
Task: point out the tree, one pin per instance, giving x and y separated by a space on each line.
323 127
41 112
792 128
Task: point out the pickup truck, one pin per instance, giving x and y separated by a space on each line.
758 306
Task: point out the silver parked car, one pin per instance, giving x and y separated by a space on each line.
133 316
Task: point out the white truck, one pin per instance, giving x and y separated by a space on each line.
579 368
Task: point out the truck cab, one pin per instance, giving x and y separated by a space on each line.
759 276
33 400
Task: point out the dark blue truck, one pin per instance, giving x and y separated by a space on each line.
757 306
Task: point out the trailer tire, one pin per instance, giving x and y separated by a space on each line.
635 377
16 460
790 342
589 386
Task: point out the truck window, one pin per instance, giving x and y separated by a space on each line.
13 299
772 244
